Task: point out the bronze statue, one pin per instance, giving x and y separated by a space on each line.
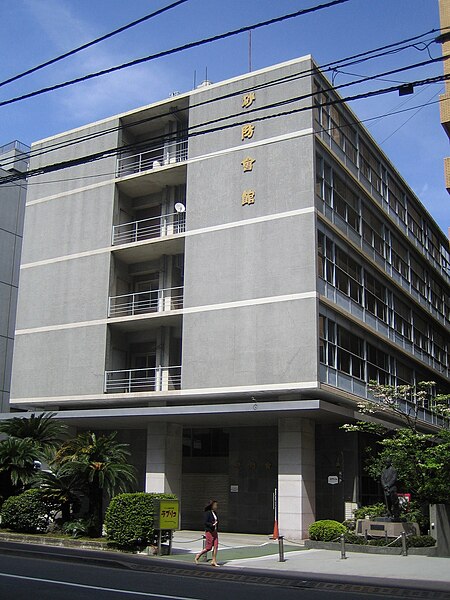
389 483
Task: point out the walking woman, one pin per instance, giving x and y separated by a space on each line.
211 529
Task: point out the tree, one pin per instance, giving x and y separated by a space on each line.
62 488
101 462
42 429
422 460
17 465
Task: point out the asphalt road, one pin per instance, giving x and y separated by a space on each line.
36 573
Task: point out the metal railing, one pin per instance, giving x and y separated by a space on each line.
145 302
160 379
155 227
170 153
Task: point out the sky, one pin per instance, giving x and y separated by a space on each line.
33 31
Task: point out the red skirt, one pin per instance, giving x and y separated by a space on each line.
212 540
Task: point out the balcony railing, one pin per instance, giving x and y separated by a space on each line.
152 158
155 227
145 302
160 379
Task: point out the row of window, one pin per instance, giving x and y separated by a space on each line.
345 273
340 197
349 353
330 119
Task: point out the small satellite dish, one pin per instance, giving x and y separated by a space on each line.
180 207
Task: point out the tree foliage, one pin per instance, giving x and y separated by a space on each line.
42 429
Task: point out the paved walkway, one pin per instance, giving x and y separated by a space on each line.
257 552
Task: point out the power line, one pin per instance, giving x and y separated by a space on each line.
92 42
175 50
114 151
354 59
333 128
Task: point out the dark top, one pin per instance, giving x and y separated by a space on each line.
210 520
389 477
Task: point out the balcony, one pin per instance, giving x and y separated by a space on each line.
152 158
160 379
155 227
146 302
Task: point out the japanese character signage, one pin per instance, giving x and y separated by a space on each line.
247 164
248 197
247 131
167 514
248 99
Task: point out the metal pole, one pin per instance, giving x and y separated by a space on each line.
280 549
343 557
159 542
170 541
404 546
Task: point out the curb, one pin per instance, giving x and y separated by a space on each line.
431 551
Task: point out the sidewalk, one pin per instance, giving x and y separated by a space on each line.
257 552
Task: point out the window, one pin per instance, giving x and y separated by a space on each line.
420 330
350 353
326 258
418 275
404 375
399 257
327 341
348 276
439 347
345 202
205 443
436 296
343 134
372 230
396 198
402 318
370 167
375 296
415 222
432 243
377 365
323 180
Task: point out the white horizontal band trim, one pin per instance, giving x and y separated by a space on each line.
103 398
218 153
210 229
183 311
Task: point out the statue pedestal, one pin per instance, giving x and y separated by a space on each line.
383 528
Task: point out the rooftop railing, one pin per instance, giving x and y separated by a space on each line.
152 158
155 227
146 302
159 379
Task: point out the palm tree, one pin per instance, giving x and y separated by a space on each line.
102 463
43 429
17 465
62 488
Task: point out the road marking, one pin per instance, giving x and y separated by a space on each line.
94 587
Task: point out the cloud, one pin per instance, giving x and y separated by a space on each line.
97 98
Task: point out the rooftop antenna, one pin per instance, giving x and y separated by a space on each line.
250 51
195 78
206 73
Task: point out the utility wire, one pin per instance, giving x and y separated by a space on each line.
375 118
92 42
115 151
175 50
347 61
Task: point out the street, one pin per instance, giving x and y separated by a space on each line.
55 574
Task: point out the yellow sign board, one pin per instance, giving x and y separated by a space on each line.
167 514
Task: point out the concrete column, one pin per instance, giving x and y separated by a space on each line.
164 458
296 477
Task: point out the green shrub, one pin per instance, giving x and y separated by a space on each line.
26 513
372 511
129 519
83 527
420 541
352 538
326 531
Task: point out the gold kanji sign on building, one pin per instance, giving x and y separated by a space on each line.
248 99
247 164
247 131
248 197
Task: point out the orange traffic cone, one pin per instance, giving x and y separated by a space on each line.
276 533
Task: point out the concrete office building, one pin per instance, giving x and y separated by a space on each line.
13 159
227 342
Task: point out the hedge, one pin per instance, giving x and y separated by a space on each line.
26 513
326 531
129 519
